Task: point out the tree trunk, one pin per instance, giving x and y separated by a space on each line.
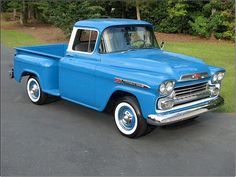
29 13
24 13
14 14
138 10
35 13
213 11
123 10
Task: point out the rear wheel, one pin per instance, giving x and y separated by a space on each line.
34 90
128 118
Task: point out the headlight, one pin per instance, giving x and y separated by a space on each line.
214 78
217 77
167 87
162 88
165 103
220 76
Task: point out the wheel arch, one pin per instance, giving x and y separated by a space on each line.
115 96
29 73
145 98
25 73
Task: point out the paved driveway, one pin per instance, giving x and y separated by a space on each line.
63 138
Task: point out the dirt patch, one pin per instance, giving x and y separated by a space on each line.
43 32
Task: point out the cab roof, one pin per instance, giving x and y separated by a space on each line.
102 23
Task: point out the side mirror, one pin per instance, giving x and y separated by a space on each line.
162 45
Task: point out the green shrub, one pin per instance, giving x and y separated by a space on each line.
218 35
200 26
228 35
6 16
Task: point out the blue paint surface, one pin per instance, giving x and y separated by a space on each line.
88 79
101 24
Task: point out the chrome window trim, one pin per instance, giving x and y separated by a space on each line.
72 39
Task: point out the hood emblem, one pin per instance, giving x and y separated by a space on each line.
195 76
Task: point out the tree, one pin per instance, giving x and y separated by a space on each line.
64 14
24 13
204 18
138 9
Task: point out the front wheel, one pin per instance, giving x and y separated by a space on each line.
34 91
128 118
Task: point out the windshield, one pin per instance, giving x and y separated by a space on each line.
115 39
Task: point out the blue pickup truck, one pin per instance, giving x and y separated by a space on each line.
117 65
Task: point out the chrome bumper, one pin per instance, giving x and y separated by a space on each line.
160 119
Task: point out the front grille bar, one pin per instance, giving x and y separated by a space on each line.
191 93
192 97
193 87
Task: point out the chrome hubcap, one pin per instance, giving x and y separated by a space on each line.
34 90
126 118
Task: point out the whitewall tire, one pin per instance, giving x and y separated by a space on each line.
128 117
34 91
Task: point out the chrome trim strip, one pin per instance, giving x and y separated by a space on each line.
158 119
132 83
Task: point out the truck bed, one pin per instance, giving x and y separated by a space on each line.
51 50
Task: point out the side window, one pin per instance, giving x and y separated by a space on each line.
85 40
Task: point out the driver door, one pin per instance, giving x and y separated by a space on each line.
77 69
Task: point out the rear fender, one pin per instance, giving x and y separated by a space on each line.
45 69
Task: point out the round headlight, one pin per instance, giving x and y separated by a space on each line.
217 77
220 76
169 86
214 78
162 88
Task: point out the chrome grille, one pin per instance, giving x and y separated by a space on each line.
191 93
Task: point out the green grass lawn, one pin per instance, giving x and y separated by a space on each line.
221 55
13 38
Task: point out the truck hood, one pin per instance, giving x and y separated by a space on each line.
157 62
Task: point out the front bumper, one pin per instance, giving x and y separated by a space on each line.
164 119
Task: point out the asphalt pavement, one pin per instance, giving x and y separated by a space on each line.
62 138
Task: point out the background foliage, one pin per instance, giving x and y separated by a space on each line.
203 18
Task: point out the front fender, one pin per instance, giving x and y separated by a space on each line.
106 86
146 98
214 69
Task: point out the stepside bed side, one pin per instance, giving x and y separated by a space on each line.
35 61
